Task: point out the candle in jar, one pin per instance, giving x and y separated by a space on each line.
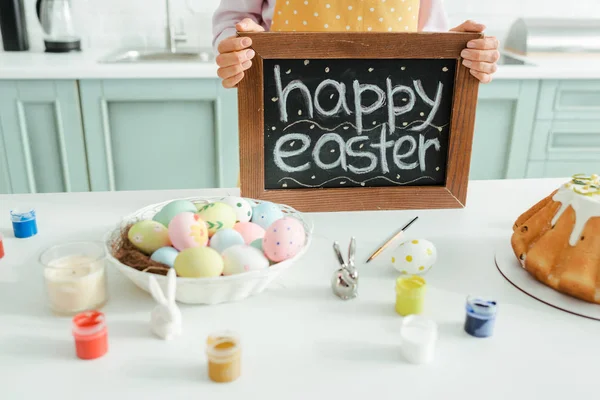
75 283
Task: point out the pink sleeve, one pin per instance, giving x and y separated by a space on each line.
432 17
229 13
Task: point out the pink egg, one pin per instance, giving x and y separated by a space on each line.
249 231
284 239
186 230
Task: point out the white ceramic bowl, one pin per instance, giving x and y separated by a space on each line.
206 290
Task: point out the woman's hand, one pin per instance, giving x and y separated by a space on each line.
234 56
481 55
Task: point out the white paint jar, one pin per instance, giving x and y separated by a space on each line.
75 277
418 337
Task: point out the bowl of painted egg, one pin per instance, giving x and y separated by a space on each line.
223 248
414 257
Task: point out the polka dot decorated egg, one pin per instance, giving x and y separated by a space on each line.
148 236
241 207
264 214
414 257
165 255
284 239
225 238
199 262
166 214
217 216
187 230
243 258
249 231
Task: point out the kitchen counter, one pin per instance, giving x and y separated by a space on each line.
85 65
299 340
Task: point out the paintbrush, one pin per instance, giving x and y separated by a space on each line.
390 240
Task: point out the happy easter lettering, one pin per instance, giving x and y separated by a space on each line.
348 145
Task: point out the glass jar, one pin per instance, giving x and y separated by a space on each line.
223 351
410 295
481 316
75 277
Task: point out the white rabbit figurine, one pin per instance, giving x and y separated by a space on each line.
165 319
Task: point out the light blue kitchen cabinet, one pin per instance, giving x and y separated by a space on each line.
145 134
503 127
41 142
566 135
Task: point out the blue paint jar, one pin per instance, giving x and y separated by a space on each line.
481 317
24 223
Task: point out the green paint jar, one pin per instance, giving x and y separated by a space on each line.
410 295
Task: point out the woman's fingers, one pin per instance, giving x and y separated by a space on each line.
491 56
228 72
237 57
483 77
232 44
487 43
233 81
248 25
485 67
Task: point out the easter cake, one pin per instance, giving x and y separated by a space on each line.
209 242
558 239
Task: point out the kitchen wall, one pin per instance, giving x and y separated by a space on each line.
115 23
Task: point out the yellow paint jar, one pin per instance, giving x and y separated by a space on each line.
410 295
224 357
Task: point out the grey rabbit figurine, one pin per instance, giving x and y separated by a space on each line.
345 280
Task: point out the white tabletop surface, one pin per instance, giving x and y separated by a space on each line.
299 340
85 65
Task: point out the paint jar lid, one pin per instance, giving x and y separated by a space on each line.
406 283
481 307
223 347
22 214
88 323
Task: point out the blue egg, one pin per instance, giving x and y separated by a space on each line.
258 244
225 238
265 214
165 255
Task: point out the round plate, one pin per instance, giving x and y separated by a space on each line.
511 269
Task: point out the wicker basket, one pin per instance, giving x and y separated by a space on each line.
207 290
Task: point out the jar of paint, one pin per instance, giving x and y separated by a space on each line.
75 277
223 351
418 337
91 335
481 317
410 294
24 222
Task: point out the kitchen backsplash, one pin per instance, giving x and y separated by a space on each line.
117 23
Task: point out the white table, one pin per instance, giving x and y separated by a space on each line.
299 340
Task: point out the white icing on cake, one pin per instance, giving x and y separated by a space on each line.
583 195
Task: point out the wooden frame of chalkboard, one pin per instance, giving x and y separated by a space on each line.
424 66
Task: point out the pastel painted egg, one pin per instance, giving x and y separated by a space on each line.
148 236
217 216
243 258
187 230
414 257
165 255
225 238
199 262
241 207
257 244
249 231
284 239
264 214
166 214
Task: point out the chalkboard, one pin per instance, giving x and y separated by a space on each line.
356 121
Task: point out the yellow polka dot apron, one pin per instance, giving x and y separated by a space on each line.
346 16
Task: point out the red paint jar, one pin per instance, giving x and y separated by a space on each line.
1 246
91 335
